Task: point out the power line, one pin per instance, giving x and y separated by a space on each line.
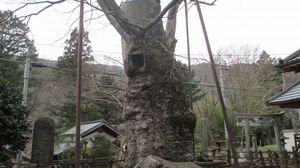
11 60
117 52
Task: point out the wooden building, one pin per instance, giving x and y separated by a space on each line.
88 131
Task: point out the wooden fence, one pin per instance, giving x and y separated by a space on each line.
260 159
87 163
217 159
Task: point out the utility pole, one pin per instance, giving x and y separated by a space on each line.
25 92
212 63
26 77
78 97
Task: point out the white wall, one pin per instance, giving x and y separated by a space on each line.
290 142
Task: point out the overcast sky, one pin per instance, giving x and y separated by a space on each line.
273 25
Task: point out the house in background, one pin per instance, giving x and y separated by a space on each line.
88 132
290 97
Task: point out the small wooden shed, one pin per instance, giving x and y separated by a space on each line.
87 131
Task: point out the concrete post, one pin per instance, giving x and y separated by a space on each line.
277 136
254 143
247 134
204 137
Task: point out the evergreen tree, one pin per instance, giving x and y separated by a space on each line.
268 79
66 72
197 92
98 104
13 124
14 44
67 64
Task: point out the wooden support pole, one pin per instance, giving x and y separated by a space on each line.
229 130
189 66
78 97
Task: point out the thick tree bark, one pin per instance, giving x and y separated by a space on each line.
156 112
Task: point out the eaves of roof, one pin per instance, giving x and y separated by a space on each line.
293 65
288 97
88 127
290 63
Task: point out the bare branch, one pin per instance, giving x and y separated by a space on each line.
114 97
171 26
49 4
113 59
206 3
100 99
108 93
159 16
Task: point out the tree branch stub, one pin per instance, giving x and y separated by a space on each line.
116 18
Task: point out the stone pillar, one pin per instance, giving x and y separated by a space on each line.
247 134
254 143
204 139
277 136
43 141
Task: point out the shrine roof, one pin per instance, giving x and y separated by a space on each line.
290 63
92 126
289 98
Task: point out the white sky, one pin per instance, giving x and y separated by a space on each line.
273 25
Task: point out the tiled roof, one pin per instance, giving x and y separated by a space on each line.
291 94
61 147
293 56
290 63
87 127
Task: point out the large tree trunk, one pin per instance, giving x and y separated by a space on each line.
156 112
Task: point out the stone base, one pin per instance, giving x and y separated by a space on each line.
157 162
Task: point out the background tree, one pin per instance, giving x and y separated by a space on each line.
14 44
67 64
66 74
13 124
100 92
249 78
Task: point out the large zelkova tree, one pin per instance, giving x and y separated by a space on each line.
13 124
14 44
158 119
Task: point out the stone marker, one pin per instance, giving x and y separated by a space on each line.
43 141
